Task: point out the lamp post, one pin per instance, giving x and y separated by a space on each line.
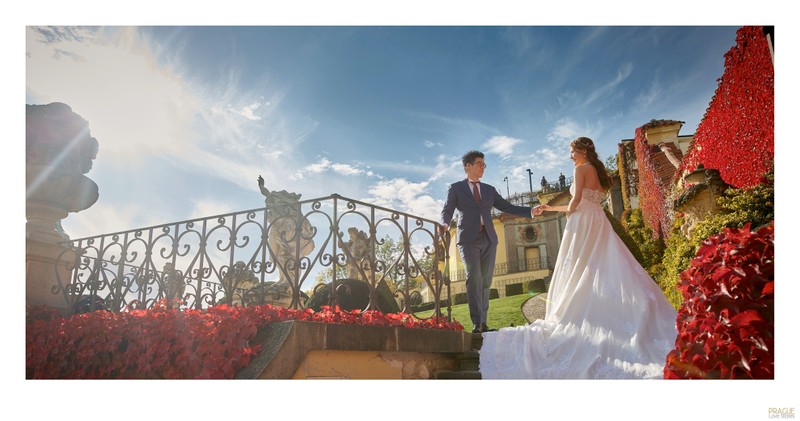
508 192
530 180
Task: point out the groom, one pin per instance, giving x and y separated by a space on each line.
477 239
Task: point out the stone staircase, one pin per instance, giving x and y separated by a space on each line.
467 363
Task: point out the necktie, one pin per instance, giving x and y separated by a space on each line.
475 193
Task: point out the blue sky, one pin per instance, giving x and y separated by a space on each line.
188 117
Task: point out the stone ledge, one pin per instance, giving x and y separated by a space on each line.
286 344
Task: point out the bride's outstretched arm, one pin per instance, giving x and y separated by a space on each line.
548 208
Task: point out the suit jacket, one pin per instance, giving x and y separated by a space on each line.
459 196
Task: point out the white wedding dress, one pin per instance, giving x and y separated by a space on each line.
605 317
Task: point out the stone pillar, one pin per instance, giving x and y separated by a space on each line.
59 150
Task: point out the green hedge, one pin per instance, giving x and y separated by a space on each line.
534 285
513 289
646 248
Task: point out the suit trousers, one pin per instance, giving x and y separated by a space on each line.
478 257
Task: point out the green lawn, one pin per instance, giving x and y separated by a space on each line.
502 312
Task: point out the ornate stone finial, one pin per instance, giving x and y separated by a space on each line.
58 138
59 150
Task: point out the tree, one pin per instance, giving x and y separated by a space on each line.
611 163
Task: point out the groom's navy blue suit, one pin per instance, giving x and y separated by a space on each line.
477 242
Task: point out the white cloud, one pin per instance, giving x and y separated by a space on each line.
248 112
105 217
405 196
345 169
649 97
564 132
501 145
210 207
429 144
318 167
325 165
610 88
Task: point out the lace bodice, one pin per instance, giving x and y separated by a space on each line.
594 196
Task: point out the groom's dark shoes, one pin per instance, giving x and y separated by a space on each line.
482 328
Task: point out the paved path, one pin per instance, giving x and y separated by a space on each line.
533 308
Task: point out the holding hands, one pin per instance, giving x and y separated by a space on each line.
548 208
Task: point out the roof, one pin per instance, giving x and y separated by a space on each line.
666 171
659 123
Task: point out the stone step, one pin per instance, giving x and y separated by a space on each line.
469 361
477 341
458 375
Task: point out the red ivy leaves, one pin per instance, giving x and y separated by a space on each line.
163 342
737 134
726 323
652 192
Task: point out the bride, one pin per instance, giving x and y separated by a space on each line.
605 317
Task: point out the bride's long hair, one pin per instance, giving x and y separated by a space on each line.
585 145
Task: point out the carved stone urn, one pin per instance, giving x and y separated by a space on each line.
698 201
59 151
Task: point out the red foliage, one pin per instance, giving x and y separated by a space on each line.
652 192
167 343
737 134
726 323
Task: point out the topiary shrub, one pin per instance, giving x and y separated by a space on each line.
353 294
535 285
726 323
460 298
513 289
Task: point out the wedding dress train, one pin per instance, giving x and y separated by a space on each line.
605 316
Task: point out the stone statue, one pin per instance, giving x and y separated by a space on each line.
358 248
237 282
174 283
287 229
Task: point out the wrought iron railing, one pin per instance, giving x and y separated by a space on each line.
272 254
531 198
503 268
